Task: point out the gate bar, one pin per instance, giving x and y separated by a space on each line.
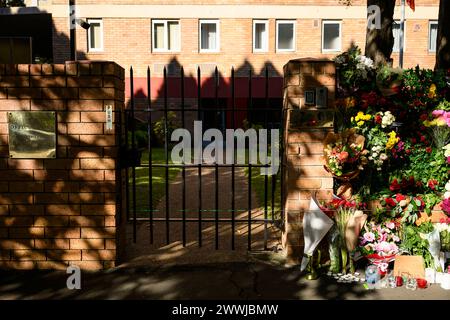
133 146
249 239
150 167
216 78
184 168
266 177
199 116
233 105
166 151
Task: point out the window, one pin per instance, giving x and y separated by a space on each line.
285 36
209 36
95 35
331 36
432 37
166 35
396 31
260 36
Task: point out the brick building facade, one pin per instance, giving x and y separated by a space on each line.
126 32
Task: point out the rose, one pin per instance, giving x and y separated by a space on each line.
342 156
369 237
390 202
390 225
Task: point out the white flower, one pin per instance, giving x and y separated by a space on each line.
447 186
383 156
447 150
447 195
403 203
387 119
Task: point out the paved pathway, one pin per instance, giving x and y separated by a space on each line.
160 252
226 281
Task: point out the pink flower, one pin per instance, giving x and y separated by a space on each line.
437 113
369 236
394 248
383 247
395 238
390 225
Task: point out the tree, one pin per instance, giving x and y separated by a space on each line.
443 37
380 42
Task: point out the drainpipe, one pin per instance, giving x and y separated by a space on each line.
72 24
402 35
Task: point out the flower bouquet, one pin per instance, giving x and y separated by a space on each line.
344 234
389 81
344 154
444 232
379 243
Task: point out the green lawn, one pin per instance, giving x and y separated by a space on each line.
158 181
158 185
258 185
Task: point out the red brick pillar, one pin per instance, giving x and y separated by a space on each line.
308 119
61 211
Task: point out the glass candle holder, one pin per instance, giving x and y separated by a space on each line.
392 281
411 284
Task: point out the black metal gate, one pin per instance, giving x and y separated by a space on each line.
152 201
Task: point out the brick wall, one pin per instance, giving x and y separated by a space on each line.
55 212
128 42
304 172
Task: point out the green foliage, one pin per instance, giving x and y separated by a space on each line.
355 70
414 244
159 128
425 166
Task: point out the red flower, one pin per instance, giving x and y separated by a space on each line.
423 116
422 139
394 185
413 140
432 184
378 119
428 149
390 202
399 197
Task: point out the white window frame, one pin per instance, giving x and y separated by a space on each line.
266 40
100 21
166 30
294 23
209 21
404 37
434 22
338 22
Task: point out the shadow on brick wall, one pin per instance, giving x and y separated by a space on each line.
56 212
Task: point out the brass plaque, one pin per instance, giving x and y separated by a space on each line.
32 134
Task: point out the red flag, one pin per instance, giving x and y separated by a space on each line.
411 4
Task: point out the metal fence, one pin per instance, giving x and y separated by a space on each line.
271 198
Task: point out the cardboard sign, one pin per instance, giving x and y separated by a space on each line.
410 266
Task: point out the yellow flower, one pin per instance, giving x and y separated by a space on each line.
427 123
361 117
393 139
432 91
